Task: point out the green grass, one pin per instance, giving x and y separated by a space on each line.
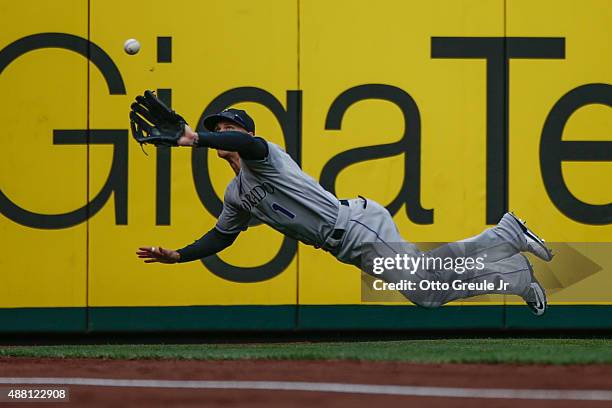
466 350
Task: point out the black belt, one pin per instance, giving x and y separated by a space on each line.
346 203
338 233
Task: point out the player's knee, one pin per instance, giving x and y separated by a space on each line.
427 303
431 304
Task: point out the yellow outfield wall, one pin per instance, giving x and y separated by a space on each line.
451 112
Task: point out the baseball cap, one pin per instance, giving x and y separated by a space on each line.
237 116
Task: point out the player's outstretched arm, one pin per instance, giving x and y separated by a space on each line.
248 147
212 242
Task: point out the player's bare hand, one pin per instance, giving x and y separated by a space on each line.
188 138
158 254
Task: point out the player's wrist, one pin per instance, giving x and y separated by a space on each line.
178 256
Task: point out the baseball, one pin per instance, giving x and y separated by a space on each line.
131 46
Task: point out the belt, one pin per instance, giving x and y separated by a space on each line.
338 233
335 238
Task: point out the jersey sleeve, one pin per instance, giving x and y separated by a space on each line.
232 219
271 164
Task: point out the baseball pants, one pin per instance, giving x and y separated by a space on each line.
370 232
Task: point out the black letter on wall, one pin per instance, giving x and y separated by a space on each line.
554 150
497 51
409 145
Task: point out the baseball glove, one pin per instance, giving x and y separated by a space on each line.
153 122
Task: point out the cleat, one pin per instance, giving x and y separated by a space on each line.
534 244
537 307
535 296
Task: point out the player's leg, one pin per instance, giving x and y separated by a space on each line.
509 276
509 237
372 234
505 269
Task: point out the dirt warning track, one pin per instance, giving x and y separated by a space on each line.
259 383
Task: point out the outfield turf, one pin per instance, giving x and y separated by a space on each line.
469 350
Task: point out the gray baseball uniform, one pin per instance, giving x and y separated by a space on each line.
277 192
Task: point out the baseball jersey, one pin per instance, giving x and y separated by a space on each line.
277 192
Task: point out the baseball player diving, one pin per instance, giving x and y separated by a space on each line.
270 187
